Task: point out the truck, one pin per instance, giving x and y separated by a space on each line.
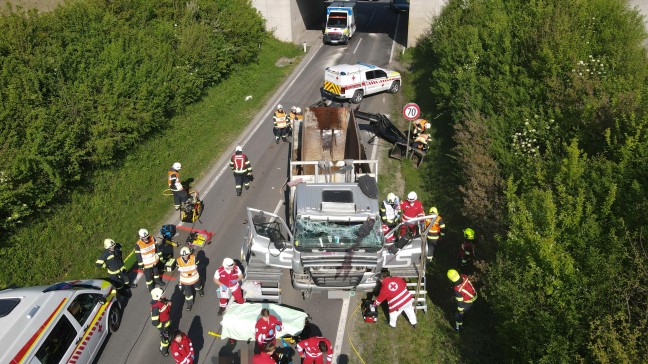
332 238
340 22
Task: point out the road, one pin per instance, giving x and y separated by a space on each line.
137 341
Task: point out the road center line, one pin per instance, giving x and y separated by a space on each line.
339 338
357 45
391 54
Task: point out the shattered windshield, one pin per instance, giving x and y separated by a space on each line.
337 235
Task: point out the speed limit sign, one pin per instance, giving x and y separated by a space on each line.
411 111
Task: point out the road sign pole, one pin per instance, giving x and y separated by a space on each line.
409 130
411 112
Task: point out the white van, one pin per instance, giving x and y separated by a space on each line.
63 323
355 81
340 22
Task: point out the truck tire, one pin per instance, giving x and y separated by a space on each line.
395 87
114 318
357 97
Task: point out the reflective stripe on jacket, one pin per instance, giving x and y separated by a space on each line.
147 252
280 119
465 292
188 270
240 164
174 180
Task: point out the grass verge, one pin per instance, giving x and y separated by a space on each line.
434 340
117 202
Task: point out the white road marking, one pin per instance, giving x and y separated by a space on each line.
139 275
276 210
391 54
357 45
339 338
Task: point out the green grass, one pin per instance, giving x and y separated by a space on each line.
434 341
116 203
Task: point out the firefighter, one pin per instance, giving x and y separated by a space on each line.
182 348
390 210
180 195
281 124
240 165
267 355
265 330
112 260
465 295
421 142
189 277
467 249
437 230
312 350
295 116
411 209
148 258
419 127
161 318
394 291
227 278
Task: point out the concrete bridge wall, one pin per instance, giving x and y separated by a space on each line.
288 19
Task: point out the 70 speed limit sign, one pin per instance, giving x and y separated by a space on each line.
411 111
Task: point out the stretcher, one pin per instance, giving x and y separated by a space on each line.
239 320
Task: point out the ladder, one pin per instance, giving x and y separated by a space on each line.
414 277
266 281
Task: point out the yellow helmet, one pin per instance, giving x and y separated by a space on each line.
469 234
453 275
433 210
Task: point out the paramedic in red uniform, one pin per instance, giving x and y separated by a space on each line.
182 348
227 278
266 356
312 350
394 291
240 165
411 209
265 330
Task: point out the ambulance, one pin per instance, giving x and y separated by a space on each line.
340 22
63 323
355 81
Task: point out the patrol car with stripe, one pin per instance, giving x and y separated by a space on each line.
355 81
63 323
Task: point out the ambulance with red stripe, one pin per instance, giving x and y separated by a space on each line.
355 81
63 323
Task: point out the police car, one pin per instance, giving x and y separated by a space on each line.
353 82
63 323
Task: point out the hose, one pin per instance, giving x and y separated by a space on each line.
165 193
349 337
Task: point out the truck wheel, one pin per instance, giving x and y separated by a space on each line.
357 97
395 87
114 318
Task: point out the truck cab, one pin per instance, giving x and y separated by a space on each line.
340 22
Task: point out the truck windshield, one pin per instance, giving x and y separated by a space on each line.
337 22
337 235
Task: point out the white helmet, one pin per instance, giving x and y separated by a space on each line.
428 125
298 110
391 198
156 293
279 107
177 166
411 197
109 243
238 148
185 251
293 109
228 263
143 234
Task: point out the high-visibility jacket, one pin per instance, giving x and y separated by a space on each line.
240 164
419 126
174 180
160 313
188 270
280 119
183 351
146 252
266 331
111 260
437 226
464 291
394 290
295 117
309 348
423 139
390 213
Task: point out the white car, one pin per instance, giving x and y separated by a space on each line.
63 323
353 82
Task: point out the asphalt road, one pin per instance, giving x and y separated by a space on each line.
137 341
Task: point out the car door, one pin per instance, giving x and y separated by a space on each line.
84 315
268 238
380 77
370 86
59 344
